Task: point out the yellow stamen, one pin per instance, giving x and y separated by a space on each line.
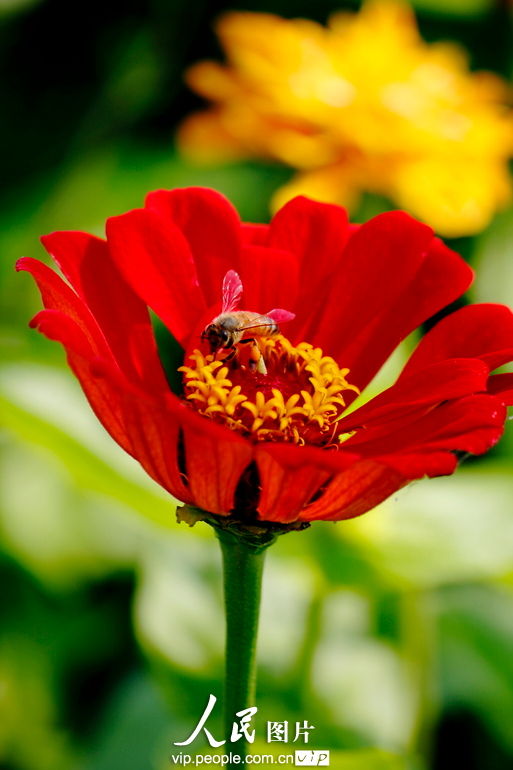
256 404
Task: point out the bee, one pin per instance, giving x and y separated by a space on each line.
230 328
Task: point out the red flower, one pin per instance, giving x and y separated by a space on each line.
287 454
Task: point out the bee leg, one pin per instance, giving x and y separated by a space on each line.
256 360
231 356
261 367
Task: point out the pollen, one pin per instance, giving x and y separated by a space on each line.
298 400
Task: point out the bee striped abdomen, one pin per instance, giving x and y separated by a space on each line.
246 323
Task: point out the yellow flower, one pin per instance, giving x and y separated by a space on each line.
362 105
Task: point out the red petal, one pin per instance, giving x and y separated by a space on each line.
256 234
315 233
434 384
60 327
155 259
270 279
99 391
388 281
442 277
145 427
57 295
215 459
122 316
147 434
290 476
471 424
154 432
211 226
501 385
368 483
355 491
417 466
103 397
476 331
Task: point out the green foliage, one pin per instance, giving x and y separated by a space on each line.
86 469
458 8
367 760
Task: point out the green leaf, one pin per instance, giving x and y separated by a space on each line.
492 259
343 562
443 530
29 737
367 759
178 614
476 665
86 468
12 7
463 8
135 728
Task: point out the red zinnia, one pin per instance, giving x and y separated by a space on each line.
277 446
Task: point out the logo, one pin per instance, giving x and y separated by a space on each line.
312 758
276 731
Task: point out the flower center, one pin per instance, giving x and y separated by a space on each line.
298 400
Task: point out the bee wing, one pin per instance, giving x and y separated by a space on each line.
254 324
280 316
232 291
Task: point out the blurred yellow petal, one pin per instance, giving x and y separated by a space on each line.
203 137
456 198
363 104
212 81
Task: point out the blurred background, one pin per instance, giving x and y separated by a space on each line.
391 634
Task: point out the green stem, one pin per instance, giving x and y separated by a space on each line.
299 683
419 643
243 562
